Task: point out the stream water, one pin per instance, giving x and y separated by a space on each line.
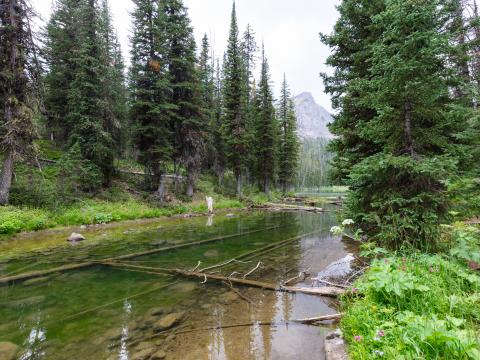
106 313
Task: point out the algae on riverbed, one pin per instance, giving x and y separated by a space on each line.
97 313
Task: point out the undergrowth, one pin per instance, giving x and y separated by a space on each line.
417 306
93 211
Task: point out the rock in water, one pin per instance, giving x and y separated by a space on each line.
167 322
8 351
76 237
335 348
159 355
143 354
228 298
210 253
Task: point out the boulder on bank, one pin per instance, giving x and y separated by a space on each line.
8 351
75 237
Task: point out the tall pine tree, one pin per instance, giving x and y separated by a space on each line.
19 77
86 100
406 142
288 143
188 122
62 43
266 130
149 91
234 103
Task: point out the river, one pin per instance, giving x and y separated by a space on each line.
105 313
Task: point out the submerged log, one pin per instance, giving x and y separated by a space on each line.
322 291
40 273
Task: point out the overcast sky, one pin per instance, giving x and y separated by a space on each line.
289 29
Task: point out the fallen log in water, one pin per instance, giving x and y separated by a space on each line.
321 291
309 321
295 207
41 273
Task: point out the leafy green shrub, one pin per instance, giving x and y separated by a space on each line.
413 307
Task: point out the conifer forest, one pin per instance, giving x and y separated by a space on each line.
165 195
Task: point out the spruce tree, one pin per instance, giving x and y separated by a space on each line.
288 142
398 186
266 130
207 84
115 92
61 44
19 80
220 162
86 99
249 56
235 94
149 91
188 122
351 44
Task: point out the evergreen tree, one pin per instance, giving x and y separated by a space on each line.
220 162
208 101
115 93
249 50
398 189
234 102
86 99
19 79
149 91
188 122
288 142
266 130
61 44
351 42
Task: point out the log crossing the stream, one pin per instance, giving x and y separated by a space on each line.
321 291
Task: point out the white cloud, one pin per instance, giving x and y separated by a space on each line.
289 29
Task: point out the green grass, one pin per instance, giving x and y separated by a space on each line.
416 306
93 211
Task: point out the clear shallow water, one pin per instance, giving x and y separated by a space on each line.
98 313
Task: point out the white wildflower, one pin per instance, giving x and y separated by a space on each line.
336 230
347 222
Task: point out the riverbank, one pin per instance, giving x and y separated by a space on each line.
15 219
415 305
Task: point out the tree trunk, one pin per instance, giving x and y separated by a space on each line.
190 185
6 178
161 188
266 185
410 146
220 177
239 185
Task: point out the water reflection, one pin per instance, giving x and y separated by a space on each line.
34 342
105 331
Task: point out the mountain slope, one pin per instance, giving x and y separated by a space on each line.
312 118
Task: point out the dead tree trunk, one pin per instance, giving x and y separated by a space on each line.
239 185
6 178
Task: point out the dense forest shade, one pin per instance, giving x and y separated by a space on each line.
178 108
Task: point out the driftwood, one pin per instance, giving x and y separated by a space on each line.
322 291
296 207
84 265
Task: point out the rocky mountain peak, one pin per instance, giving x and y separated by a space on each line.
312 118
